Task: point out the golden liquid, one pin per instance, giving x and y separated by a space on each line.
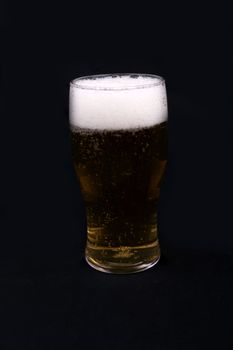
120 174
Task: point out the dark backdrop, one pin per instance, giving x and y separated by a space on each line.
50 298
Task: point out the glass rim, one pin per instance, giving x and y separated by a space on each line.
158 80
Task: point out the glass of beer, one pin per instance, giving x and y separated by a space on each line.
118 126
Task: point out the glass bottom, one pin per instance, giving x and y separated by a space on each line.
123 260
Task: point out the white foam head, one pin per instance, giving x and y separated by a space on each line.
118 101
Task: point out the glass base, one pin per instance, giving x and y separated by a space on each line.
121 268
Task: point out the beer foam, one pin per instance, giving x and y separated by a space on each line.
118 101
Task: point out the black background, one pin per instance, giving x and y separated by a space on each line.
50 298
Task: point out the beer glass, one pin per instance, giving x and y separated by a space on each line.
118 126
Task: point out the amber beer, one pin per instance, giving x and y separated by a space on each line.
119 160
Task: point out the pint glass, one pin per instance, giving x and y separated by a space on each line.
118 126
